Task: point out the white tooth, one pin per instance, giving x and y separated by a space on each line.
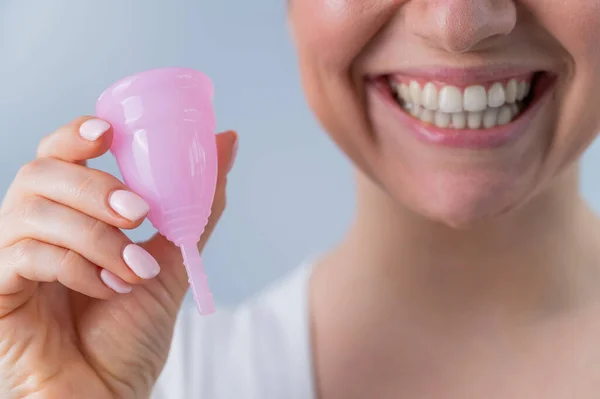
475 98
450 99
496 95
504 115
459 120
521 91
527 88
511 91
514 109
490 117
415 93
427 115
415 110
474 119
442 119
404 94
430 96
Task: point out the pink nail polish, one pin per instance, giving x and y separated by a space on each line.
114 283
140 261
93 129
129 205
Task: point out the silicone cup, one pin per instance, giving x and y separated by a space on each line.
165 146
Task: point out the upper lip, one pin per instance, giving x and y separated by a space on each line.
468 75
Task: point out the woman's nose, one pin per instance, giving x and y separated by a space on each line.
458 26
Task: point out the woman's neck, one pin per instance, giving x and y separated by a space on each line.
531 260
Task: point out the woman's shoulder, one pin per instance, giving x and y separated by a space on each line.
260 349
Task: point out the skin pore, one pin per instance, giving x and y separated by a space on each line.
467 272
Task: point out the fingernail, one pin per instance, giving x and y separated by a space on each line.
114 283
140 261
92 129
234 151
129 205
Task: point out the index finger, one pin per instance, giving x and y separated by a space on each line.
84 138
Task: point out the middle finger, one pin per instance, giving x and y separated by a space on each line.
100 243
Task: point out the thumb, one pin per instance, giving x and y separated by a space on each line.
84 138
165 252
227 146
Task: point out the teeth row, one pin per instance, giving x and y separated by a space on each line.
451 99
462 120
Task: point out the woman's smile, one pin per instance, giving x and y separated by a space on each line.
467 108
461 111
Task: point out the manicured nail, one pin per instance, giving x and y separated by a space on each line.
129 205
114 283
92 129
140 262
234 151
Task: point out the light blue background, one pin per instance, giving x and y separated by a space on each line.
291 192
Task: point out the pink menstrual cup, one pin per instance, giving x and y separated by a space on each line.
165 146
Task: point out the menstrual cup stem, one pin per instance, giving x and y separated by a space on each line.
197 278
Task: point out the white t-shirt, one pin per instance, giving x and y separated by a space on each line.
260 350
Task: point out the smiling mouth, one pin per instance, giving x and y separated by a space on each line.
481 106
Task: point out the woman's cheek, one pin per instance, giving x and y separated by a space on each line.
575 24
334 32
573 28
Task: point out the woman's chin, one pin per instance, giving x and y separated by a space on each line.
461 201
459 218
460 214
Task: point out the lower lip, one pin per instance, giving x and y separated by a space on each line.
495 137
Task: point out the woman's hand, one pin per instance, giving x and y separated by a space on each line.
84 312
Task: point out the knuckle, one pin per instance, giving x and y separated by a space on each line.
32 169
18 220
43 146
21 253
31 208
94 185
87 186
96 230
7 226
66 265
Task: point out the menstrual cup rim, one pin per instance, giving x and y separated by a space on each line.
144 74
